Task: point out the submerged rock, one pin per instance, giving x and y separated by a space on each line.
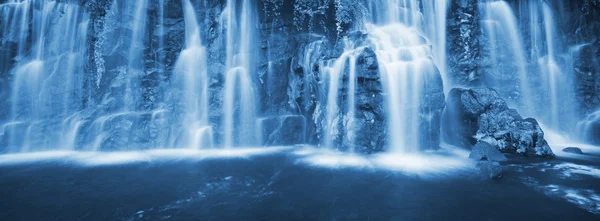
490 169
575 150
474 115
485 151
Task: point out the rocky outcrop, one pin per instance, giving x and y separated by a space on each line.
488 158
474 115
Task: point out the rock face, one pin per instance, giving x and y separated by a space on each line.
283 130
583 28
464 43
474 115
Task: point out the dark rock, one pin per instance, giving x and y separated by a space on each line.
474 115
365 131
490 169
283 130
575 150
485 151
431 108
464 35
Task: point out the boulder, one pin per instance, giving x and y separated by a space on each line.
283 130
575 150
490 169
366 129
485 151
474 115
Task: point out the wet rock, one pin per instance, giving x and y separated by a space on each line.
485 151
464 36
366 129
431 108
474 115
283 130
490 169
575 150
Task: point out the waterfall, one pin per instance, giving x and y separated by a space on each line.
405 62
239 117
130 75
543 84
435 13
501 27
333 70
46 88
191 76
396 34
135 55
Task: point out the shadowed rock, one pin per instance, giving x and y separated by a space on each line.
490 169
474 115
485 151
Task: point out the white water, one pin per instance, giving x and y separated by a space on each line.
191 75
501 27
240 104
136 51
92 158
396 35
334 113
56 58
435 13
408 36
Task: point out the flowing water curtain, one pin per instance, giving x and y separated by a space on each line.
537 54
48 76
501 27
191 76
395 32
239 24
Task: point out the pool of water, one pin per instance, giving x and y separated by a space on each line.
291 183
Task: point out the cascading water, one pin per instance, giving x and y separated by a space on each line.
435 13
396 35
405 62
46 90
544 88
124 76
501 27
191 76
135 54
239 117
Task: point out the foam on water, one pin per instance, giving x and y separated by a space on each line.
586 199
443 162
93 158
